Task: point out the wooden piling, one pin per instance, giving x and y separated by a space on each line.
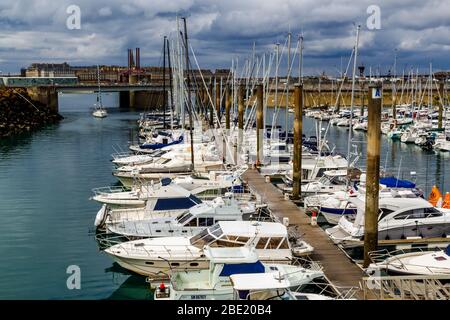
373 171
259 123
298 130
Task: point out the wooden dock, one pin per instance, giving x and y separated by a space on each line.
338 268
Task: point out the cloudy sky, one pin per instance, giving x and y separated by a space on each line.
36 31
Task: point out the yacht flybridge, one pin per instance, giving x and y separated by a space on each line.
188 223
157 257
214 283
159 200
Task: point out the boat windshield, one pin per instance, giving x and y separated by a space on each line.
185 216
325 180
162 161
206 236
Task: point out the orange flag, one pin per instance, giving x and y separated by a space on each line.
435 195
446 203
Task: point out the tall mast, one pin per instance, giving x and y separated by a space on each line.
276 81
300 60
170 84
99 95
353 94
188 85
287 86
180 78
164 83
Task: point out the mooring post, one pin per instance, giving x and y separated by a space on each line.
298 130
259 124
373 171
441 104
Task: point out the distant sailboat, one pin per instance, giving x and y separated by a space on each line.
99 110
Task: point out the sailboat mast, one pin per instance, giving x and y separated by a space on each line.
99 95
170 84
352 94
287 87
188 85
164 83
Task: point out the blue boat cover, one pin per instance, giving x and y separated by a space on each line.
392 182
230 269
165 181
447 250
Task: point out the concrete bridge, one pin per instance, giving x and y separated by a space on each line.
130 95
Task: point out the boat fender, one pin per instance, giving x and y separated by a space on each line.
314 218
100 217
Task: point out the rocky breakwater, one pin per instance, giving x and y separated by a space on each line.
18 113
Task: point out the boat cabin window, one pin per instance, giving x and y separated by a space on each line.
192 223
384 212
421 213
305 174
279 147
205 222
162 161
182 218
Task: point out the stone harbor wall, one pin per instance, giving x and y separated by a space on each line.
17 115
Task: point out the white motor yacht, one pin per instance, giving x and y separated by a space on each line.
188 223
426 263
399 218
214 283
157 257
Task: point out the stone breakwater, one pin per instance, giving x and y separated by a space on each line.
17 115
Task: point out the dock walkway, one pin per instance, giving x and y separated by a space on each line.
338 268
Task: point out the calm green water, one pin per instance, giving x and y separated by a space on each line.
46 216
47 220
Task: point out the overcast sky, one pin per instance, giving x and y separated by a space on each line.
35 31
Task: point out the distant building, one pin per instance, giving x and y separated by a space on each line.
49 70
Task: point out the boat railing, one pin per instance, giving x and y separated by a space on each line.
331 290
106 240
415 287
307 263
108 190
120 155
381 255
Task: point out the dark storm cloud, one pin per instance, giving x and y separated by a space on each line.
222 30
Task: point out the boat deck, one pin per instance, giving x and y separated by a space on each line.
338 268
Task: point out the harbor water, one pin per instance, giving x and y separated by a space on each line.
47 218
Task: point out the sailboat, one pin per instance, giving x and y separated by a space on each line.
99 110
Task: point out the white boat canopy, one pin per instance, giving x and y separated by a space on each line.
258 281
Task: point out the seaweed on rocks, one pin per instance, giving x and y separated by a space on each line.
17 115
